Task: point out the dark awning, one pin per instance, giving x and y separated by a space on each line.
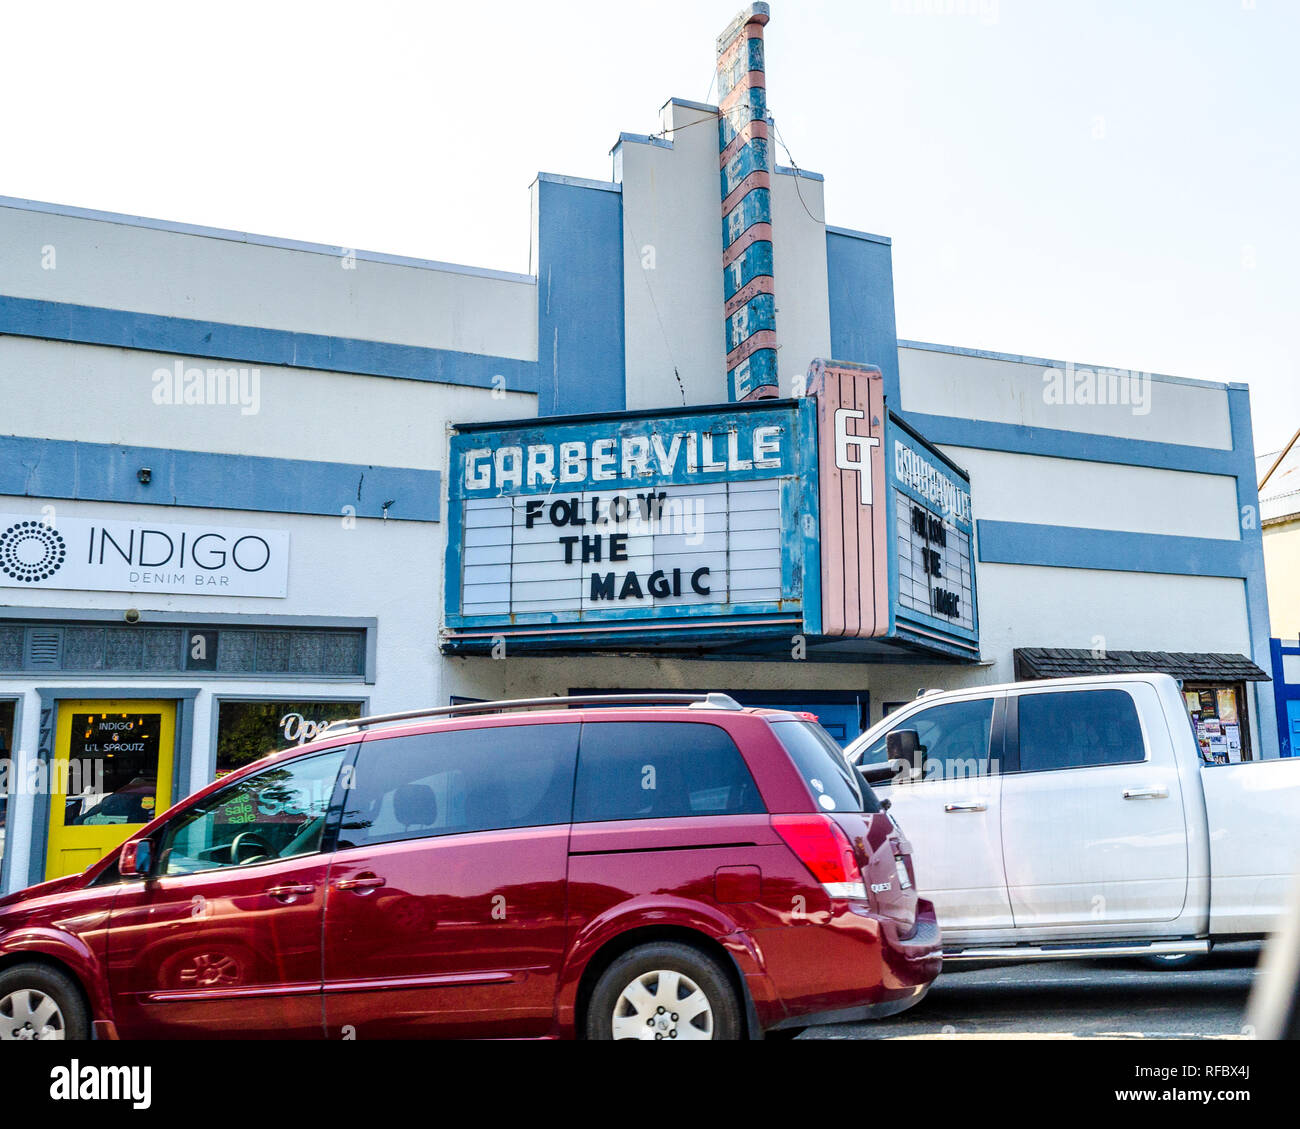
1058 662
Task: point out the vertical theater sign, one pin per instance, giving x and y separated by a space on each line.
729 529
851 473
745 164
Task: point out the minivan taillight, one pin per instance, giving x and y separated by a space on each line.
825 850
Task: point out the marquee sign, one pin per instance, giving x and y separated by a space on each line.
744 161
610 520
738 526
933 568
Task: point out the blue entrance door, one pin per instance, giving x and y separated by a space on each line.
1293 724
840 721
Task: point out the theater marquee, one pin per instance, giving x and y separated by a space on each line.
701 529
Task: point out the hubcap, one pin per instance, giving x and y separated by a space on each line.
663 1005
30 1014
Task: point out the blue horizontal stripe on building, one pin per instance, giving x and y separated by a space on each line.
1059 546
988 435
157 333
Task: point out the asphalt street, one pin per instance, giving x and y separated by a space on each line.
1075 999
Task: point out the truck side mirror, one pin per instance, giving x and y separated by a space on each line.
890 772
905 745
135 859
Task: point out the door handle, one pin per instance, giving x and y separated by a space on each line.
361 885
286 892
968 805
1146 793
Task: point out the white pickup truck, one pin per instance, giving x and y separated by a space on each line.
1075 817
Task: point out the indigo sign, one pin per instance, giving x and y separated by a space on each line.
93 555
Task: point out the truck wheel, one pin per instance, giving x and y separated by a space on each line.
39 1002
1175 961
665 991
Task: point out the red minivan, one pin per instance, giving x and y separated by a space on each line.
634 867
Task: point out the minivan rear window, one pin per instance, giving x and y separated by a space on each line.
832 781
665 770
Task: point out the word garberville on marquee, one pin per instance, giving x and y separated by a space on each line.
628 457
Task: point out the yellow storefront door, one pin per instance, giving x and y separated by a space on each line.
111 774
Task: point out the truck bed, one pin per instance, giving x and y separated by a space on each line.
1253 812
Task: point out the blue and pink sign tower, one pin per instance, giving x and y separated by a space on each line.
745 163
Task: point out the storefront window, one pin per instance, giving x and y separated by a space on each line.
1220 720
249 730
112 769
7 710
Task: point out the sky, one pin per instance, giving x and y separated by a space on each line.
1112 182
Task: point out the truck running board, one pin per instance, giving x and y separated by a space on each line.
1080 949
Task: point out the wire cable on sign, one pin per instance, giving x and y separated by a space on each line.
678 129
794 165
645 273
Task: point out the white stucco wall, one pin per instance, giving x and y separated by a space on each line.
96 394
1009 391
1033 606
211 275
1091 495
672 232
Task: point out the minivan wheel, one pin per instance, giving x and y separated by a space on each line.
38 1002
665 991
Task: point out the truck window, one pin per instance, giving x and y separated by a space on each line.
1078 729
955 737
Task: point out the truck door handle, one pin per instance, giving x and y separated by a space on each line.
968 805
362 885
1146 793
288 893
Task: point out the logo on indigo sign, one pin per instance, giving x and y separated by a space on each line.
31 551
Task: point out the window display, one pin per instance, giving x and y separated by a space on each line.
249 730
1219 719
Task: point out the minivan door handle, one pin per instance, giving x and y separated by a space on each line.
362 884
964 806
1146 793
288 893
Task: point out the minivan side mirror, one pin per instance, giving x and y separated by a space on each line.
135 859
